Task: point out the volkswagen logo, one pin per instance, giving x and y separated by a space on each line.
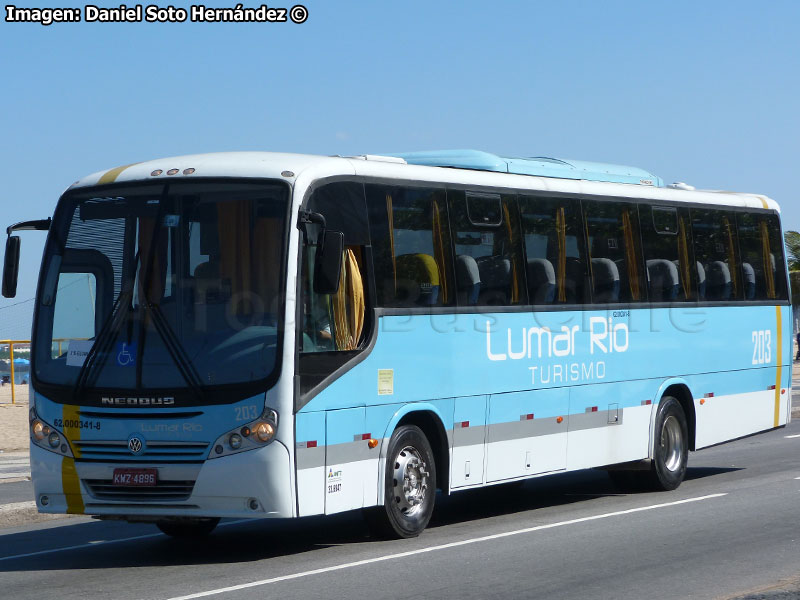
135 444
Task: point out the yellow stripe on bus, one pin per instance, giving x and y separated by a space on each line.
70 483
111 176
779 369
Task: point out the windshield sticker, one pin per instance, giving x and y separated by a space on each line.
126 354
77 351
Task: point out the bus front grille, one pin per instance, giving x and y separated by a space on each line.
155 451
164 490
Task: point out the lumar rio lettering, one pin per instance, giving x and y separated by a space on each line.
125 401
539 342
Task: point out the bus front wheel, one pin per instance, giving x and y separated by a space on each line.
409 487
671 448
187 528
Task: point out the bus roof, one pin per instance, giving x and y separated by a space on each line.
538 165
574 177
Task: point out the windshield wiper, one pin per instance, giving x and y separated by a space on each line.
176 350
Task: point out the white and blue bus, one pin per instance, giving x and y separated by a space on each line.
280 335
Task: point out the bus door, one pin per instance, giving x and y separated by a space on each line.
524 435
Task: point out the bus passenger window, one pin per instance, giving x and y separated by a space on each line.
762 256
716 249
668 255
616 269
488 249
410 246
554 250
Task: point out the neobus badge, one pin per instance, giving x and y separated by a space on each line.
165 401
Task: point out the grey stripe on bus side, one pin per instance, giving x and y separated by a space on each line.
337 454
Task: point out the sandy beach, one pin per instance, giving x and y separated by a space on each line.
13 419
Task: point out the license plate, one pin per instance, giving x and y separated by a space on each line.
135 477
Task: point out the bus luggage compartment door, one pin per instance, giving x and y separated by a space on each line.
524 435
469 433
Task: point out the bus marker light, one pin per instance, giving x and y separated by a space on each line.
312 444
528 417
218 449
783 391
559 419
366 436
188 171
772 387
372 443
646 402
709 395
464 423
172 172
287 173
593 409
156 173
702 401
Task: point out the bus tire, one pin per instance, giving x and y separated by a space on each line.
187 528
409 487
671 446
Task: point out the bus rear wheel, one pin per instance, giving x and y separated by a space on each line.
409 487
187 528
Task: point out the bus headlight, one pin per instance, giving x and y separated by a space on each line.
264 432
48 437
251 436
38 430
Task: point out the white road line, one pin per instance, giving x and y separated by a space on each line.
485 538
13 475
95 543
789 437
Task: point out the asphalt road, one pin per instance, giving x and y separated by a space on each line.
732 528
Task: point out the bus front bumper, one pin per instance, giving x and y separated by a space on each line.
252 484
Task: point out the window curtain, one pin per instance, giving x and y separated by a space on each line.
155 272
683 259
235 243
348 304
439 251
515 266
726 224
390 213
630 255
561 232
766 257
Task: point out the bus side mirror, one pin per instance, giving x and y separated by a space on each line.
328 267
11 267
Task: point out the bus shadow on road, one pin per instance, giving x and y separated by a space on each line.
243 542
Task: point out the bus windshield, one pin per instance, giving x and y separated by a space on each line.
162 287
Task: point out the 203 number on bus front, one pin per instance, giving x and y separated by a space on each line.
762 347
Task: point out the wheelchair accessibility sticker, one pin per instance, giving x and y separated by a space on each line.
126 354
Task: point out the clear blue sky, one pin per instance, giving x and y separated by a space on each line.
701 92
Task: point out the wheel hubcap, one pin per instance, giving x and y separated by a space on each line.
671 443
410 480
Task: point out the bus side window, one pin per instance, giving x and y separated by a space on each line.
410 246
336 322
616 269
668 253
488 249
554 250
763 273
716 249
